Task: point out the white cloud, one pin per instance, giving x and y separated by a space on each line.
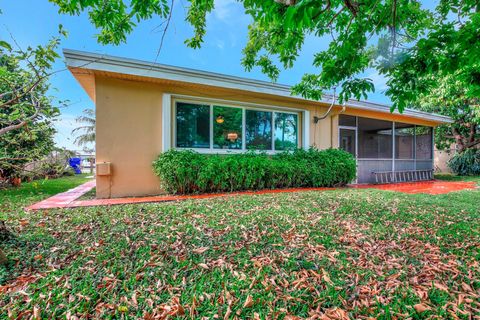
219 44
379 81
224 9
229 12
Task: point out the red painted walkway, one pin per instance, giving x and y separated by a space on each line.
69 198
427 187
64 199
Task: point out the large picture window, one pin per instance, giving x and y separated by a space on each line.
219 127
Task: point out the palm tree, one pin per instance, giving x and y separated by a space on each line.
87 131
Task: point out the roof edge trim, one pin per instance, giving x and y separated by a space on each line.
102 62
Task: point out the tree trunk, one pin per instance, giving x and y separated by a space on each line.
460 144
5 234
3 258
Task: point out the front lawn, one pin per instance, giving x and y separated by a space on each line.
353 253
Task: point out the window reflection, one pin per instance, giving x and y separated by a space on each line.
193 125
258 133
285 131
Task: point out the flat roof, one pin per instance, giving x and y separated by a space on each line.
107 63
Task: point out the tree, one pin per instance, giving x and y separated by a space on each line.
278 31
87 131
409 44
441 73
449 97
26 112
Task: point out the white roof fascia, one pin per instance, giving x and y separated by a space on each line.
107 63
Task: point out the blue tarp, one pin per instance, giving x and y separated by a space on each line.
75 164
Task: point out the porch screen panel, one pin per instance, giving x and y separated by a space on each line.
404 165
374 139
424 164
404 141
347 141
347 121
424 147
258 131
192 125
366 167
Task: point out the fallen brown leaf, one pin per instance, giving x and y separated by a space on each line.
421 307
248 302
200 250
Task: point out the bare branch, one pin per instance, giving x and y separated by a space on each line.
287 2
25 92
164 31
23 123
335 16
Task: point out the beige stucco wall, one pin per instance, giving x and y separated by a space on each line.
129 129
441 159
129 136
129 126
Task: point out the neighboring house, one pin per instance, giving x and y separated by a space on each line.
143 109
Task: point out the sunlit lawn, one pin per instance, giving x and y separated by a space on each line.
345 253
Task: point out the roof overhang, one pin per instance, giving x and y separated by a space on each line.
83 63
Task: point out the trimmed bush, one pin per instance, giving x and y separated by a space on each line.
466 163
183 172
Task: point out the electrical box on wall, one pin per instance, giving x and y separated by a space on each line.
104 168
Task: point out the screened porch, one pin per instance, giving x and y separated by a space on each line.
385 146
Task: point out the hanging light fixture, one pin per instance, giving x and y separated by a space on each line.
220 119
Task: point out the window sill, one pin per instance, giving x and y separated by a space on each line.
231 151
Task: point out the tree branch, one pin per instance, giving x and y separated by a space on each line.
23 122
334 17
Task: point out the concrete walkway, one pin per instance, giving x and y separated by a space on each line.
69 198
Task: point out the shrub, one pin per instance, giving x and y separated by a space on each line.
184 172
466 163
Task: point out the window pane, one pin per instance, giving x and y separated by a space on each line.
193 125
374 139
424 142
286 128
258 131
349 121
404 134
227 128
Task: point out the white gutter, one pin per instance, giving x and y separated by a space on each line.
107 63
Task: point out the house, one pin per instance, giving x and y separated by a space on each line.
144 108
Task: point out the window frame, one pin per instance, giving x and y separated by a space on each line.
244 107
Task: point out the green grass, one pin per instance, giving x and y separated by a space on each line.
362 252
31 192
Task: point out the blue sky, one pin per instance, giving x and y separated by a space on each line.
33 22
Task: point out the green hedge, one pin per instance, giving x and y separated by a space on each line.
466 163
183 172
